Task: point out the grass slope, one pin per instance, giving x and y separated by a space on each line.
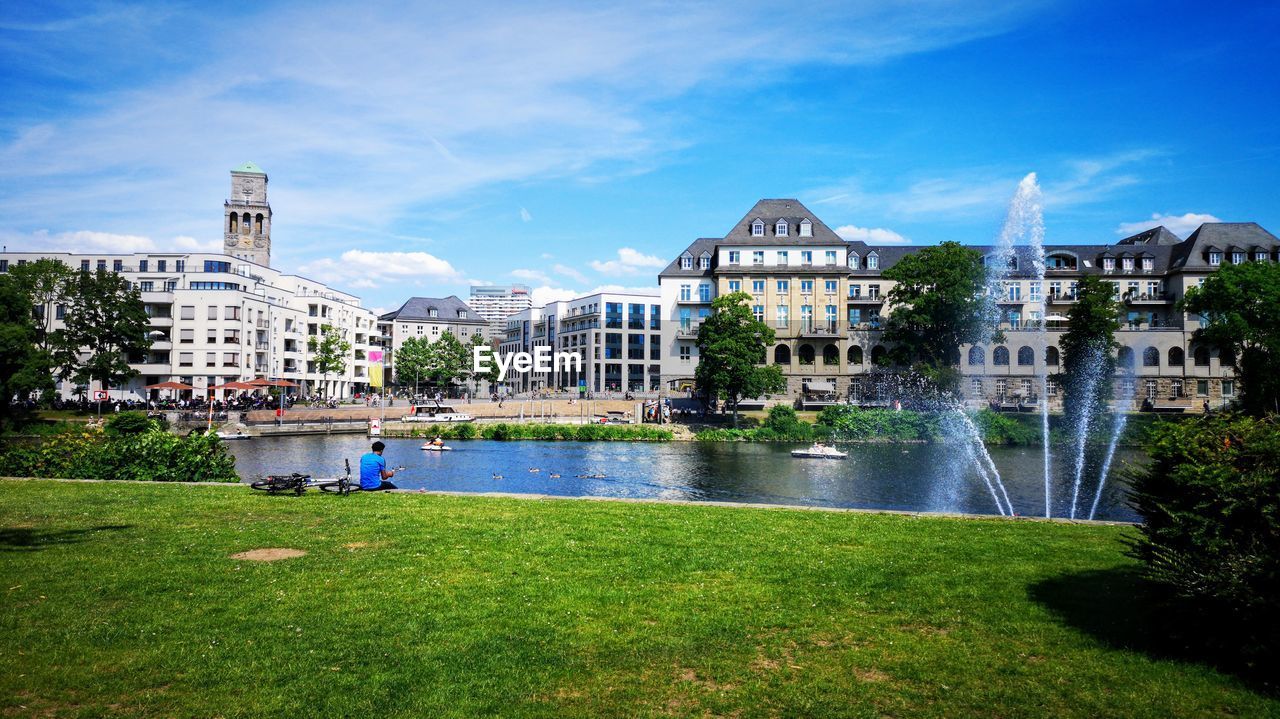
122 599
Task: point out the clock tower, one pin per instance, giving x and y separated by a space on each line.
246 216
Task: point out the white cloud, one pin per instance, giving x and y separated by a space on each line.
629 262
525 216
106 242
546 293
547 256
531 275
871 235
362 269
570 272
1180 225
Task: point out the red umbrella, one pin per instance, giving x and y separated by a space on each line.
169 385
264 382
235 385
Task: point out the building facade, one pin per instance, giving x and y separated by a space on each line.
618 335
496 303
825 298
430 318
217 318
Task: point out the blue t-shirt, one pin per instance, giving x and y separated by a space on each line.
371 466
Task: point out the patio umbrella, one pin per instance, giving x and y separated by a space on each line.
264 382
169 385
235 385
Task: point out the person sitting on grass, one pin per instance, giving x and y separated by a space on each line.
373 470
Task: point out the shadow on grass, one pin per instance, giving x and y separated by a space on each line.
24 539
1121 610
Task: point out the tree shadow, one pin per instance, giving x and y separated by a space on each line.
1122 610
26 539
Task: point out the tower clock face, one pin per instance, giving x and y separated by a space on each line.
231 242
259 243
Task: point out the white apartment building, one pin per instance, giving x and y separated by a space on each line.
496 303
618 335
217 318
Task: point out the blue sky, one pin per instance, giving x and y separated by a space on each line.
571 146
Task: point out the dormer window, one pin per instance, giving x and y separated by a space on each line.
433 312
873 261
757 228
1237 258
704 262
1127 263
686 261
1259 256
780 229
1148 264
854 260
462 314
1108 264
806 228
1215 258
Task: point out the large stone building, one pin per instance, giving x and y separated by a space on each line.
217 318
618 335
246 216
825 297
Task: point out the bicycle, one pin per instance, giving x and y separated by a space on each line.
299 483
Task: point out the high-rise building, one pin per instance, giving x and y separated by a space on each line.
246 216
495 304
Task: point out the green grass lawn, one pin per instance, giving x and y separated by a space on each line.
123 600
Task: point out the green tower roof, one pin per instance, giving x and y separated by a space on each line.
249 168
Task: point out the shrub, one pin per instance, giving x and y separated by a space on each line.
782 424
1210 501
126 423
150 455
997 428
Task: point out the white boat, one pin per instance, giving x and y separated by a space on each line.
436 413
228 437
819 451
428 447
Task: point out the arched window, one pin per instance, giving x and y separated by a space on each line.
1000 356
245 223
1201 355
977 356
830 355
877 354
1026 356
1051 357
1124 358
257 228
1151 357
806 354
782 355
234 219
855 355
1177 357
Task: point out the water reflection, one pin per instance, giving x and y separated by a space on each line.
932 477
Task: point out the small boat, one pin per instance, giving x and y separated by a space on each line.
819 451
436 447
227 436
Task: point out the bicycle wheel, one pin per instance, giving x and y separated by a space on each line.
338 486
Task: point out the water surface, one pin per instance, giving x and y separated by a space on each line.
918 477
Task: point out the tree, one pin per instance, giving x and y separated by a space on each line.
411 360
1088 349
329 351
105 319
478 340
731 352
1241 304
46 283
938 305
20 370
449 360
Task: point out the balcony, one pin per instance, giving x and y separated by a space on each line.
694 300
818 328
1055 298
864 326
262 346
262 324
158 321
688 331
865 299
1145 298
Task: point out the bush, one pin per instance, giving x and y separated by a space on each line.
782 424
847 422
150 455
1210 501
126 423
997 428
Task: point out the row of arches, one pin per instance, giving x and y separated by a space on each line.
1000 356
1176 356
243 223
807 354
